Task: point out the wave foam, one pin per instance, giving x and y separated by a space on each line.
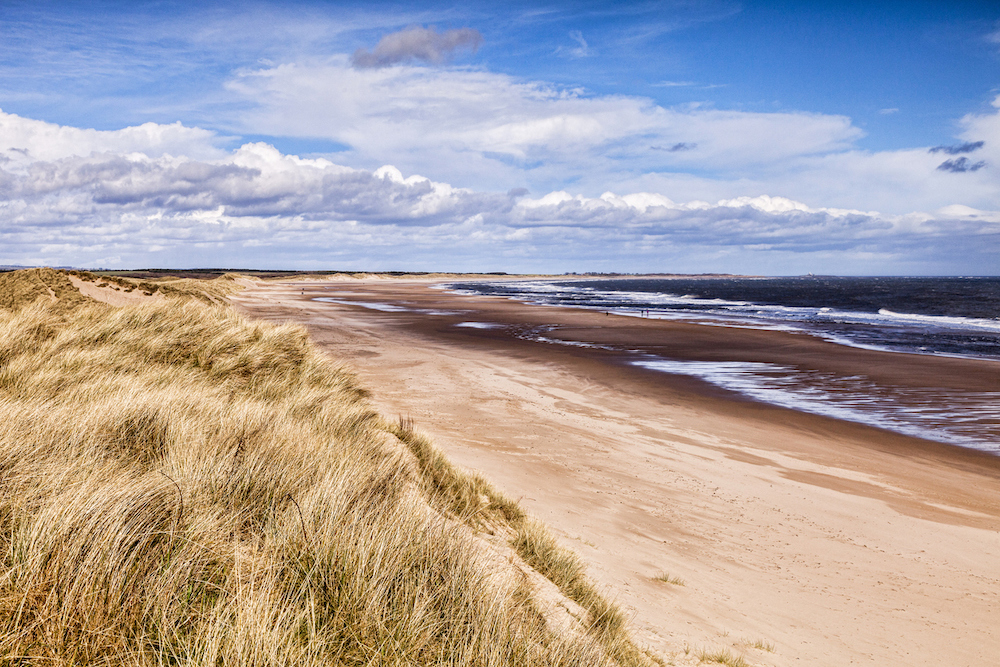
968 419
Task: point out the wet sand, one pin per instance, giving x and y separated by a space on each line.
830 543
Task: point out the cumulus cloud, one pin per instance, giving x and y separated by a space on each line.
967 147
26 139
961 165
416 43
257 206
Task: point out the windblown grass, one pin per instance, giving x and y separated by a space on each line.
181 486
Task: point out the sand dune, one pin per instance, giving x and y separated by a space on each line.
181 485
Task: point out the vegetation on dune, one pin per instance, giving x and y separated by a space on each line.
179 485
21 288
723 657
481 506
669 579
207 291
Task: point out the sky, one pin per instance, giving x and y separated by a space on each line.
773 138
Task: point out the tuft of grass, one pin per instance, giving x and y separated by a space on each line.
761 645
722 657
668 579
183 486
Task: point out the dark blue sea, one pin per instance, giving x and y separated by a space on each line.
952 316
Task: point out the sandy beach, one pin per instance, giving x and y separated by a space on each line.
791 538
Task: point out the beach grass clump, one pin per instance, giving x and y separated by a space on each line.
722 657
669 579
474 499
762 645
183 486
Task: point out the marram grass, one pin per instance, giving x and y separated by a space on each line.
180 486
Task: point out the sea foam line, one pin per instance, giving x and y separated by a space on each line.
969 419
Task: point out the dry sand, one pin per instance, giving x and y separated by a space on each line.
799 539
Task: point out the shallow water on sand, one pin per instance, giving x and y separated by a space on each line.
940 316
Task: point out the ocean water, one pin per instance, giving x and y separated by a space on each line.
938 316
959 316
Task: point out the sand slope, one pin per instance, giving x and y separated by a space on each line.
112 296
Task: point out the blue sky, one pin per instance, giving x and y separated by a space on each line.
778 137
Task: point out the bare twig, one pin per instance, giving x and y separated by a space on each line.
302 520
180 515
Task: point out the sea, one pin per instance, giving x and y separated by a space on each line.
952 316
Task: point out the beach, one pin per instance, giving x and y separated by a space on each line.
790 538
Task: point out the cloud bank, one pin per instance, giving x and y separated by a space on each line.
489 131
121 200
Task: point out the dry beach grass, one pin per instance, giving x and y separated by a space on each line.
179 485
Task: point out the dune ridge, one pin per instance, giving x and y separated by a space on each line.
183 486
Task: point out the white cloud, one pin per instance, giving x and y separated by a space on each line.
984 128
258 207
893 182
489 130
468 127
24 140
